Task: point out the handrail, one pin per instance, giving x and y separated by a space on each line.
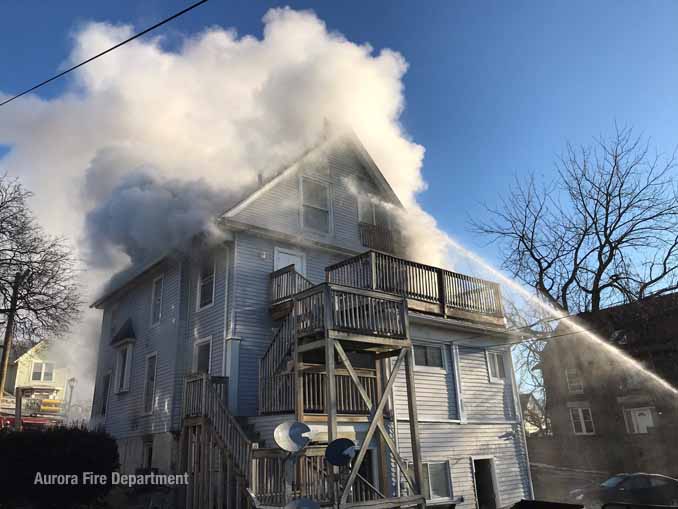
201 399
381 271
286 282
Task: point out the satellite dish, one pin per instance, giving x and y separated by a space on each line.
303 503
292 436
340 452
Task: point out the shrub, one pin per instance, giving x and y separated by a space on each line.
61 450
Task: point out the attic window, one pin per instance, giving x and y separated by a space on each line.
42 372
315 205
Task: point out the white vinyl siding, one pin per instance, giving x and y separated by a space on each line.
156 301
582 421
315 214
149 383
574 381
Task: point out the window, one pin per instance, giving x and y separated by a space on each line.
372 213
123 368
148 454
574 381
115 315
582 421
42 372
496 368
206 284
639 420
437 481
156 300
149 385
105 389
315 205
430 356
202 351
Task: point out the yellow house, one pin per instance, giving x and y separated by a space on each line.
40 368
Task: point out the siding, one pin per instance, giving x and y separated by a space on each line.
457 443
482 400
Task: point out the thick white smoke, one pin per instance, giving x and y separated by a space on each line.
133 127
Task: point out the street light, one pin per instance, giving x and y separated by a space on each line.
71 385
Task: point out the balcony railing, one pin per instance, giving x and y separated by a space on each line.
285 283
428 289
277 394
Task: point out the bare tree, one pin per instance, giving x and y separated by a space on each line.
604 231
39 292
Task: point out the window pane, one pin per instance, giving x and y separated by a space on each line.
439 480
150 383
203 360
316 219
157 300
576 420
48 373
501 372
420 355
37 371
315 194
206 287
435 356
588 420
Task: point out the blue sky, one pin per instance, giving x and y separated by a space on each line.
494 89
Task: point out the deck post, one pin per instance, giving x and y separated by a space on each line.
373 270
331 388
442 292
383 474
414 420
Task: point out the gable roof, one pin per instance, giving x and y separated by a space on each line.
34 349
249 194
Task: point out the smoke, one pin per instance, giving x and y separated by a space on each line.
149 141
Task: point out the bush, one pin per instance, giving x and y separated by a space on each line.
66 451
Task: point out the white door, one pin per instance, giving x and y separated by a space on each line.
285 257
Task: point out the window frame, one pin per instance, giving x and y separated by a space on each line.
629 417
570 384
42 371
199 285
426 367
196 345
489 355
123 380
365 200
580 413
330 214
160 278
149 411
427 474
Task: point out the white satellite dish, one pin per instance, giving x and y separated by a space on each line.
303 503
292 436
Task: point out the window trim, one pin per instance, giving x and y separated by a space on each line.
426 367
155 383
330 211
570 384
161 278
489 353
42 371
196 345
128 346
198 285
580 412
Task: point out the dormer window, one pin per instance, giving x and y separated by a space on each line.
315 205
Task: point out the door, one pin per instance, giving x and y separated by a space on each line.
285 257
486 492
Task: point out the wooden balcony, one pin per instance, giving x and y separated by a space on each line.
426 289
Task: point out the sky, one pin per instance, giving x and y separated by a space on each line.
492 89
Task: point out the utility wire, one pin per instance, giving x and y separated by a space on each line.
166 20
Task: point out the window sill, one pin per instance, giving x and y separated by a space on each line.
198 309
444 501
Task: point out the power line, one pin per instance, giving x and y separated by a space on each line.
166 20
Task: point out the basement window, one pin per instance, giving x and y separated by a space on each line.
42 372
315 205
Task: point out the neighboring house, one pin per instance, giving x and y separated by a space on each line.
534 419
38 368
605 413
255 311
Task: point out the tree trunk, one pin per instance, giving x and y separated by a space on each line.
9 329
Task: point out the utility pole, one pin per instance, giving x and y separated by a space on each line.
9 329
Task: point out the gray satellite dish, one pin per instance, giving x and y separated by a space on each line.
292 436
303 503
340 452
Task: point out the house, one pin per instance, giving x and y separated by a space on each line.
294 315
40 371
605 413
